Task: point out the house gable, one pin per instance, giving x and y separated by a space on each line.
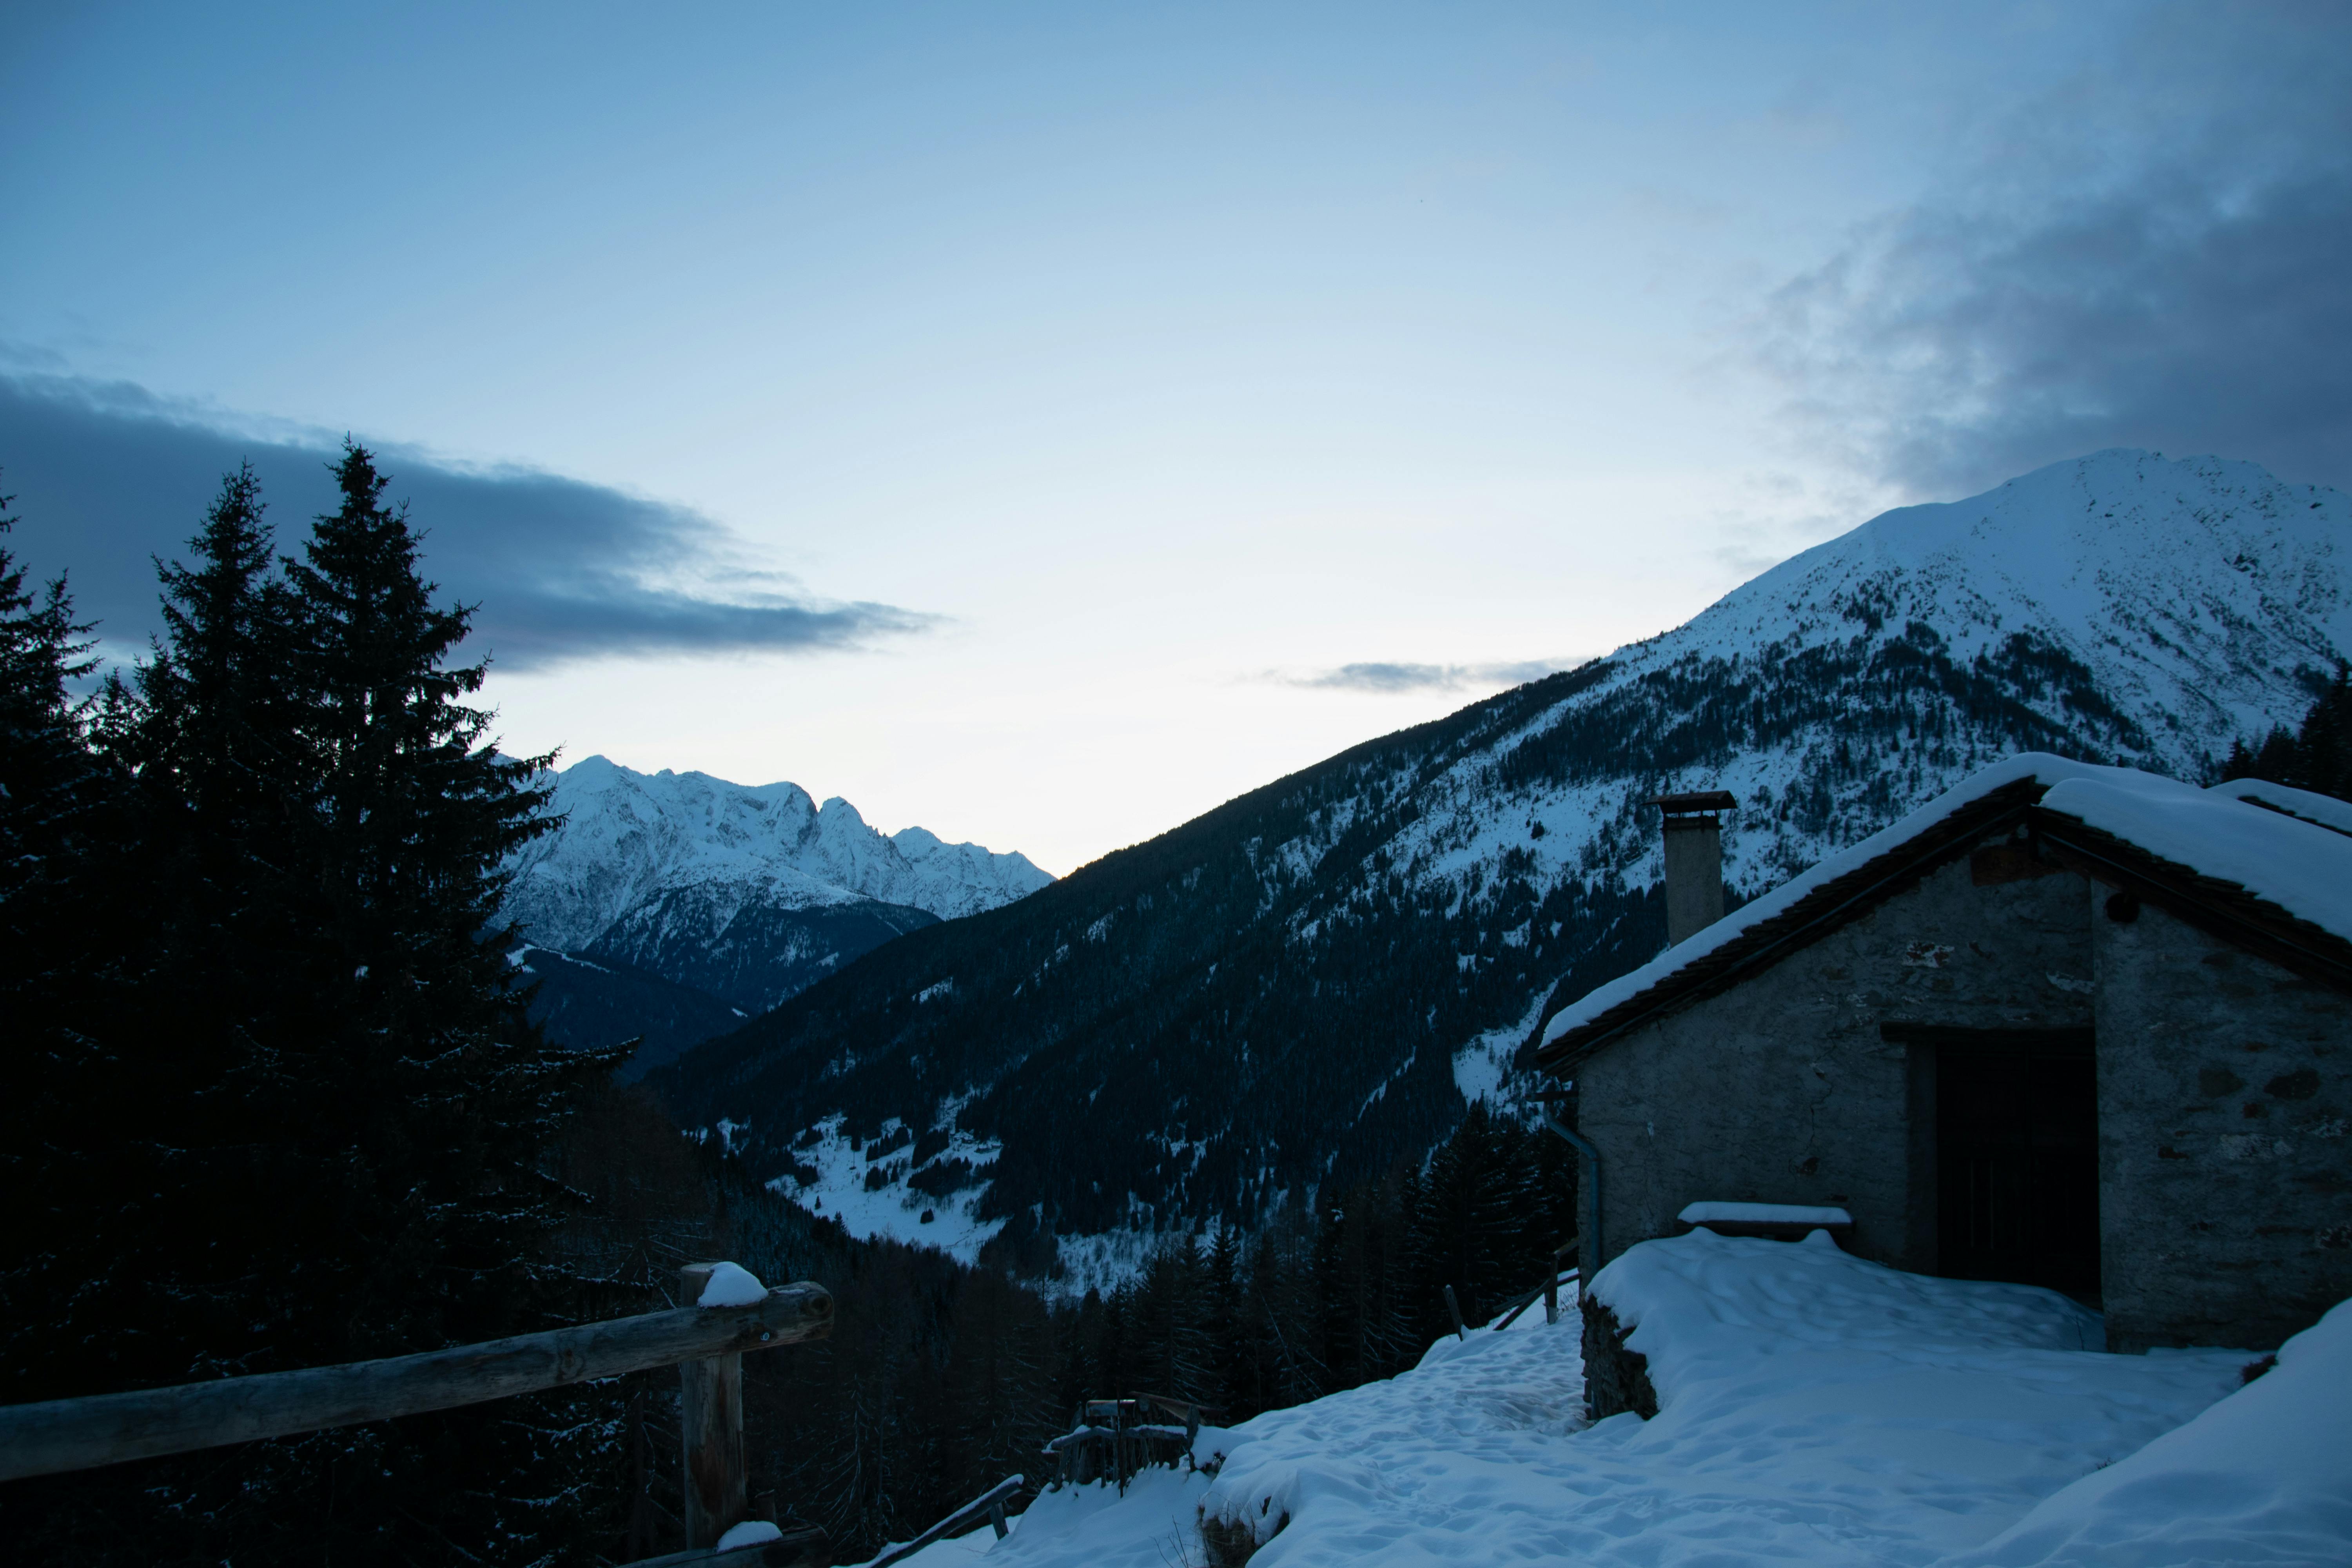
2137 994
1808 1081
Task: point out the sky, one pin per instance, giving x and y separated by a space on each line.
1044 423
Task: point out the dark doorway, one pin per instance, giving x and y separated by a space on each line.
2017 1159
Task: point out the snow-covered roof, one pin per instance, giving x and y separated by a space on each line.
2325 810
2279 851
2298 866
2029 774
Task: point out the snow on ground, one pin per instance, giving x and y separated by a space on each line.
894 1210
1814 1409
2266 1475
1102 1261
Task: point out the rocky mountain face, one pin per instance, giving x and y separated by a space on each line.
1301 987
667 903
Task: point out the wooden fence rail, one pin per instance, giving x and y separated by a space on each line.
109 1428
989 1505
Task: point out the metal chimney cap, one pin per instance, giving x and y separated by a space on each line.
1698 801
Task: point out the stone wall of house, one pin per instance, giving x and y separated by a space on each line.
2225 1168
1782 1091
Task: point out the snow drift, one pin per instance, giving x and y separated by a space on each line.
1815 1408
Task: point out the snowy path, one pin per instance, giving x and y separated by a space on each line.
1815 1409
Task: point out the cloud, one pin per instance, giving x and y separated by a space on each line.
1394 677
107 476
2153 256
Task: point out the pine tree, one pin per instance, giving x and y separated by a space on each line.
50 784
438 1080
2317 756
1229 1339
413 1107
209 730
60 970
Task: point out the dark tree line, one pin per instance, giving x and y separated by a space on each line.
275 1102
1347 1291
272 1103
2316 755
941 1380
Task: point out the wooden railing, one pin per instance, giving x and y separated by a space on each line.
705 1344
989 1505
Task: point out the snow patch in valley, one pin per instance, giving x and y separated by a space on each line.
1483 1066
894 1210
1099 1262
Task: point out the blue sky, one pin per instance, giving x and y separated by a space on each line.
1043 423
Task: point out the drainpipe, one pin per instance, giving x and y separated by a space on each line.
1588 1244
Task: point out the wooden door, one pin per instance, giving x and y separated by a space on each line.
2017 1172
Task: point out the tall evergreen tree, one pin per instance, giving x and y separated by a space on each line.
415 1108
442 1095
333 1129
2316 756
58 967
211 739
217 713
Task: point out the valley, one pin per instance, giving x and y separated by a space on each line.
1307 985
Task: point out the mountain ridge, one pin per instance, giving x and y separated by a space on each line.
1301 986
744 893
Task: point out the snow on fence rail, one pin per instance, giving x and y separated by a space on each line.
705 1342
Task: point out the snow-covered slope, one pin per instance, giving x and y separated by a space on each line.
1299 988
747 891
2151 611
2192 601
1814 1409
2189 589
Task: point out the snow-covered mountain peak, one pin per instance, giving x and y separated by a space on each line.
2189 587
629 837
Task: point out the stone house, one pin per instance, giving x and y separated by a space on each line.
2066 1025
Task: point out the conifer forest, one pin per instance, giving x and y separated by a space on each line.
280 1103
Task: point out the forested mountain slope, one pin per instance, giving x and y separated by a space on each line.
1299 987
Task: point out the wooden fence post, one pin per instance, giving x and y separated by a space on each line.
1459 1332
710 1420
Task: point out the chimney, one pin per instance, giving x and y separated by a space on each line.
1694 860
